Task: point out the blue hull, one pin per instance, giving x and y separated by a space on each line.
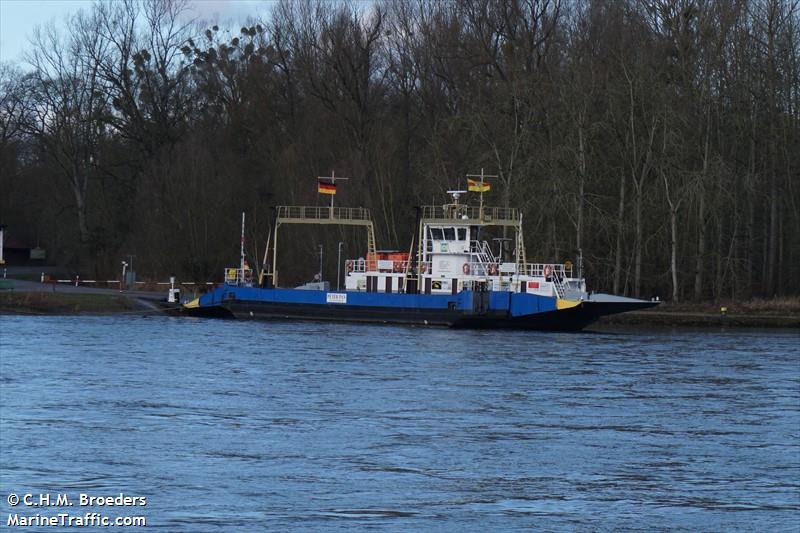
466 309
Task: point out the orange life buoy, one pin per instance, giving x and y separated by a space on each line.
465 268
397 266
493 269
423 267
548 271
348 265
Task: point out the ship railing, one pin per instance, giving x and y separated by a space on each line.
546 270
557 273
240 277
445 212
362 265
322 213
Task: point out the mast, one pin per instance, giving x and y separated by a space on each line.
332 180
241 254
481 188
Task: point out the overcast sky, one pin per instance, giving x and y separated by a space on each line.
19 17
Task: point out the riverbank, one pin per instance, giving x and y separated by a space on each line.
777 313
774 313
63 303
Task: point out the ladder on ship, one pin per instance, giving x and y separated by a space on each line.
521 260
558 284
484 254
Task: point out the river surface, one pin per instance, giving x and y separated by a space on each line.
255 426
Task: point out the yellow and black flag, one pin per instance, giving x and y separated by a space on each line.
478 186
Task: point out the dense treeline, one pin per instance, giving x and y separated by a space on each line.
660 137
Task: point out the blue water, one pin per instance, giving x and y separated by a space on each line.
250 426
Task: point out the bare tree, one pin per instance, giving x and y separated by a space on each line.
67 107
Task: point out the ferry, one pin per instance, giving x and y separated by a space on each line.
450 277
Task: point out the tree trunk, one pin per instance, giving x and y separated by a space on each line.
581 187
772 253
637 271
721 265
620 228
701 217
701 247
673 256
79 183
639 193
673 236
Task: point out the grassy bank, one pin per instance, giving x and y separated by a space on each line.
57 303
773 313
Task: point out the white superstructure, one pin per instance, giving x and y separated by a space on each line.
451 256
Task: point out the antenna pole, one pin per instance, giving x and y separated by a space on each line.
241 253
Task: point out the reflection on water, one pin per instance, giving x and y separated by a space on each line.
228 425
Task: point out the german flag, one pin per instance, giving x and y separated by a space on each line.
477 186
326 188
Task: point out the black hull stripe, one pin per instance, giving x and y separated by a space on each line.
564 320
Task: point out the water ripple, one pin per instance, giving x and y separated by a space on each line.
228 425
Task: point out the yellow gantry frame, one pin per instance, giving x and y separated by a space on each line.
340 216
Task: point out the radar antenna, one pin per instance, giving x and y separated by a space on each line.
456 195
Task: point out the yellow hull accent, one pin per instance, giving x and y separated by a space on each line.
194 304
566 304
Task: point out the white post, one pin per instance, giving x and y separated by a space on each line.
122 279
320 263
2 239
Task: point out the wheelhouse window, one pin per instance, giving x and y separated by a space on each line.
449 234
462 234
436 234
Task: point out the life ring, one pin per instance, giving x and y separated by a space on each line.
423 267
465 268
348 265
493 269
397 266
548 271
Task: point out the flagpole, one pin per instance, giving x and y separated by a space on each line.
480 211
481 186
333 180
